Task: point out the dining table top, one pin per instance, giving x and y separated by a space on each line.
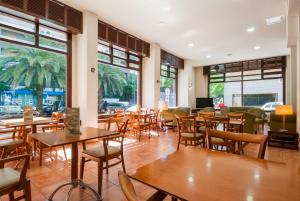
21 122
200 174
63 137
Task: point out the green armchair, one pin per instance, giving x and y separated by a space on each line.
169 115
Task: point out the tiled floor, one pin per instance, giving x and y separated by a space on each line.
53 173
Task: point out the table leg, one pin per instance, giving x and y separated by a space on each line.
33 128
74 161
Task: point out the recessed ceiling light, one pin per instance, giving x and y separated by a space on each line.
191 45
274 20
251 29
161 23
257 47
229 54
208 56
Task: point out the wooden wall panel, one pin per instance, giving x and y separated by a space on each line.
51 10
114 35
172 60
37 7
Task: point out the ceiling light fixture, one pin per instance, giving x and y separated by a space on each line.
191 45
250 29
230 54
208 56
257 47
274 20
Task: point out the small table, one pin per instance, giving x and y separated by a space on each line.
284 139
200 174
12 123
62 137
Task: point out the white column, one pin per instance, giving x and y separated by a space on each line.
151 78
85 82
291 78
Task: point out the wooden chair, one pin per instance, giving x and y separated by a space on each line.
13 144
139 123
144 111
235 117
206 114
103 153
120 113
129 192
153 118
242 139
56 125
188 130
13 180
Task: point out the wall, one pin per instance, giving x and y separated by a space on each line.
201 83
151 77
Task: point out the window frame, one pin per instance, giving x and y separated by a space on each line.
266 73
36 45
128 53
169 76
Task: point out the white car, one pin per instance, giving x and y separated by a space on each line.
270 106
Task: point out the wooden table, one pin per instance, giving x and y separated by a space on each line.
62 137
200 174
12 123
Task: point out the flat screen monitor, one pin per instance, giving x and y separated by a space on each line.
204 102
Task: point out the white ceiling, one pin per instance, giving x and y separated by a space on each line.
216 27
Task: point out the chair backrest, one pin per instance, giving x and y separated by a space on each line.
120 112
186 124
127 187
144 111
206 114
236 116
243 138
24 168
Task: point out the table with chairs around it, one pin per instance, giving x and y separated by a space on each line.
205 136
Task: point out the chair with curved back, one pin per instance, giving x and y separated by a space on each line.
241 139
129 192
139 123
188 131
105 152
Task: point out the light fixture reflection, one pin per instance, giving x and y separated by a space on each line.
191 179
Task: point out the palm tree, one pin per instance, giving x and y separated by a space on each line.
111 81
34 69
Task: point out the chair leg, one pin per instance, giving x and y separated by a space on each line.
64 149
123 163
82 167
41 155
178 143
11 196
106 162
27 191
100 174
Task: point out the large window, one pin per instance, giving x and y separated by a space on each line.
168 84
33 67
248 83
119 77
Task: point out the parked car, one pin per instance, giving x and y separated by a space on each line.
11 112
270 106
57 106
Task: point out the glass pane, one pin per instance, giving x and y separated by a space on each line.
168 90
216 91
134 58
172 70
261 92
17 23
273 70
104 57
133 65
216 75
164 67
46 31
41 83
120 62
217 80
172 75
51 44
233 74
118 88
252 72
164 73
119 53
103 48
232 94
16 35
252 77
231 79
273 76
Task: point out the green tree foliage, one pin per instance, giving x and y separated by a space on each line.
111 81
216 90
33 69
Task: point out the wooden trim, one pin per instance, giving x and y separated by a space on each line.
69 71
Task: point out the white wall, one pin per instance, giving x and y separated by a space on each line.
151 78
85 82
